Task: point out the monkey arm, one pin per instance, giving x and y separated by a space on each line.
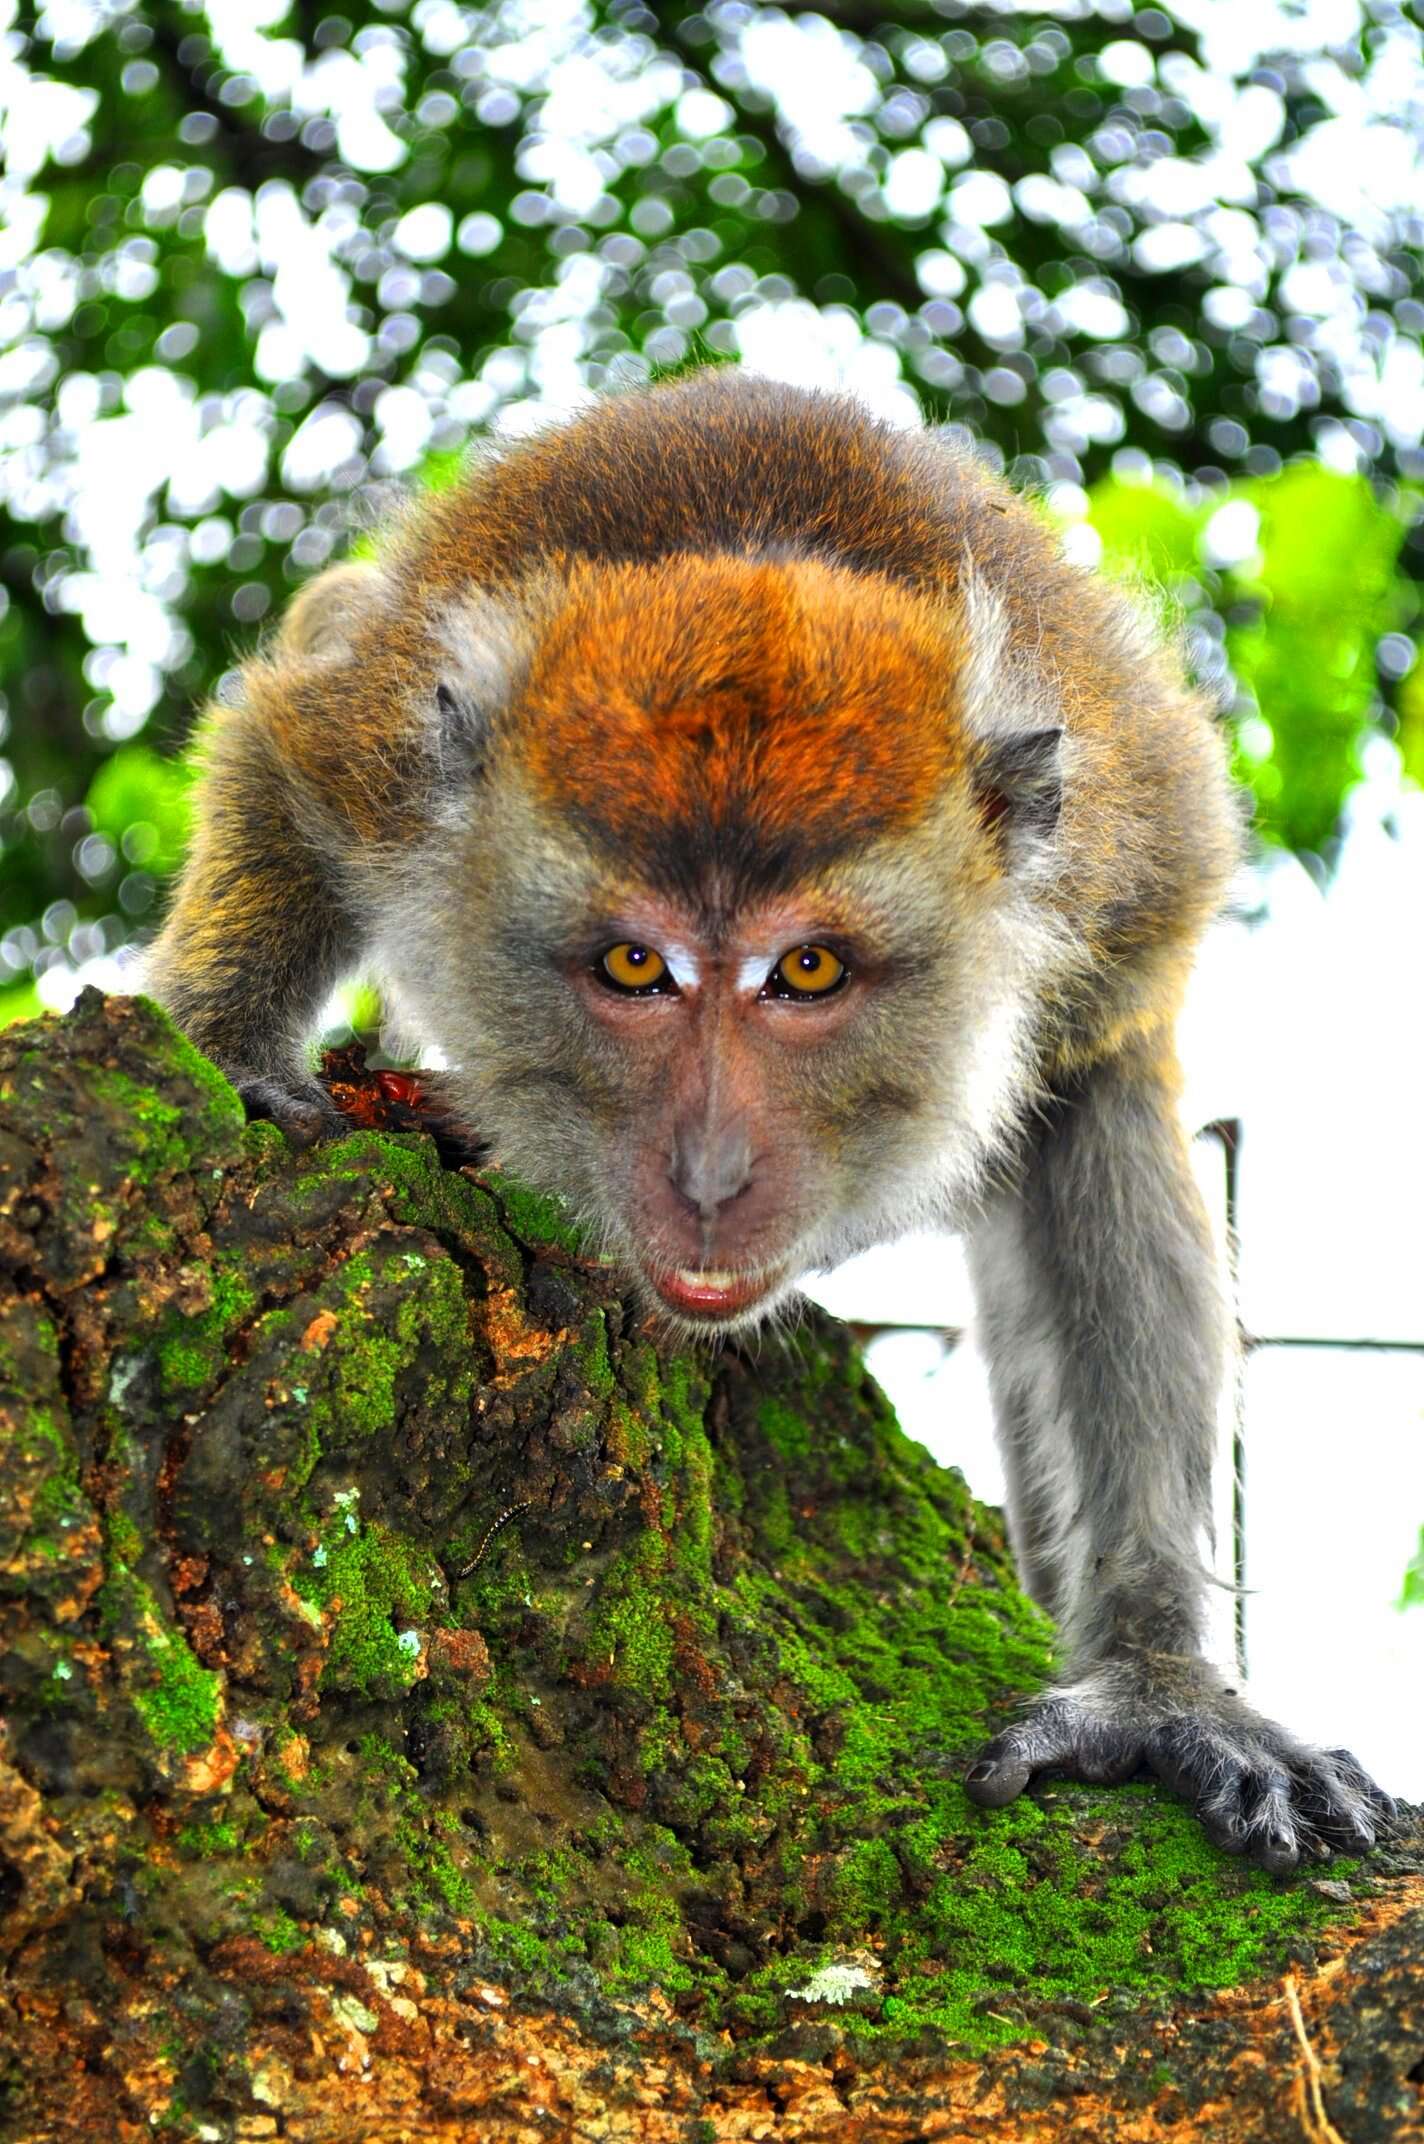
257 936
1108 1339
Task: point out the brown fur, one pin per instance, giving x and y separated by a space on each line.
758 598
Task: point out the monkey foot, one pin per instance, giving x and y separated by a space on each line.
301 1108
1255 1788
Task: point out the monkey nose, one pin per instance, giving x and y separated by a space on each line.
710 1166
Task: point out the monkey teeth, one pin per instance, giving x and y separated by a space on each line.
712 1292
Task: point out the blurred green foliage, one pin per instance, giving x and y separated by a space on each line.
1294 618
258 261
1412 1591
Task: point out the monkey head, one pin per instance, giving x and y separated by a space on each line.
735 911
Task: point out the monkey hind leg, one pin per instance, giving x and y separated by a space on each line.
1101 1305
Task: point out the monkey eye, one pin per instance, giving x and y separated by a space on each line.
636 970
808 971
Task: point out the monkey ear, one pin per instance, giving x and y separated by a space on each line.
486 644
462 731
1019 784
321 623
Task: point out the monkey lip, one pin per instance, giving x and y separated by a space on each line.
713 1292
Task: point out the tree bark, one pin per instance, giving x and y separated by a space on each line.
432 1710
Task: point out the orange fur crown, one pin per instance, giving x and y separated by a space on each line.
747 704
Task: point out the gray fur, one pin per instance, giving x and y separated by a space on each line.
1108 1342
1099 1291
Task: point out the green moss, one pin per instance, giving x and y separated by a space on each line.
181 1712
435 1872
533 1216
210 1841
628 1438
868 1885
42 1499
178 1700
124 1539
485 1726
279 1932
46 1446
153 1126
264 1143
518 1949
682 1394
384 1593
403 1169
590 1353
1029 1907
786 1431
223 1107
400 1313
194 1352
630 1629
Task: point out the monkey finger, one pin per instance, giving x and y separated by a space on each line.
304 1111
1108 1759
1225 1829
1000 1775
1190 1757
1222 1813
1242 1800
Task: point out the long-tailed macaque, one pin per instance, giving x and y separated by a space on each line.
786 846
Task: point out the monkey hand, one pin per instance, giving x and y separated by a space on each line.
300 1107
1257 1790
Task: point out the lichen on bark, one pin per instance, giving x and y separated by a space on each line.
373 1586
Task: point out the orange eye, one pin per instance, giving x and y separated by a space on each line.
633 967
811 971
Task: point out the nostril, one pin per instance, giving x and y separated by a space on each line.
704 1201
709 1173
682 1195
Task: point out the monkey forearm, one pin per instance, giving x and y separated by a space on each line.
255 941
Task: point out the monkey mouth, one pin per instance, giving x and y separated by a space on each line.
712 1292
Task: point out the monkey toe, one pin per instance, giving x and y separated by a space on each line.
1346 1811
1243 1797
1060 1736
1255 1790
1354 1783
301 1109
1259 1793
996 1781
1011 1759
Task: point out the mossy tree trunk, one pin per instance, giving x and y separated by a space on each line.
430 1710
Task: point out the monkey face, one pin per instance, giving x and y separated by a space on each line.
721 950
731 1044
729 1091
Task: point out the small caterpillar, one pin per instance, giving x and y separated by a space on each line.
490 1531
